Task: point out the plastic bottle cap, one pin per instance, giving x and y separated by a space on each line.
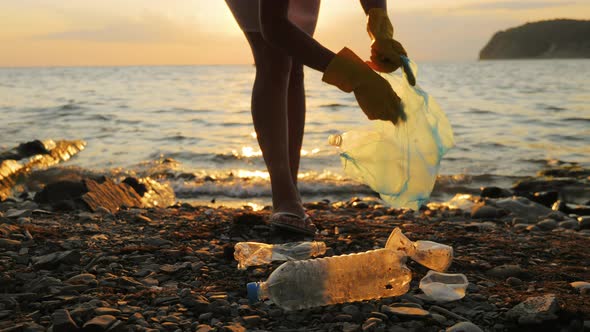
335 140
252 289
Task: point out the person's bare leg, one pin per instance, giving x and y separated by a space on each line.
269 113
296 104
296 117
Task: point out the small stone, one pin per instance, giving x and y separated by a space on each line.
100 311
535 310
233 327
251 321
343 318
481 211
495 192
379 315
407 304
9 244
513 281
439 318
53 260
520 221
547 224
203 328
14 213
350 327
412 299
479 226
99 323
584 222
351 310
410 312
63 322
157 242
82 279
569 224
505 271
205 316
371 323
170 326
582 286
464 327
34 327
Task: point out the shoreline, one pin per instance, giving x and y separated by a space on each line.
81 256
173 269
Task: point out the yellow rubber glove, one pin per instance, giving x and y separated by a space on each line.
385 51
373 93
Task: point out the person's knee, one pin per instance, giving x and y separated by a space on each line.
297 72
274 65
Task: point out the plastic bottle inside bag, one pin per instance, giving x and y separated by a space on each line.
255 253
433 255
399 162
337 279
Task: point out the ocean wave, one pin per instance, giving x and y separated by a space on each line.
480 111
332 105
69 106
575 119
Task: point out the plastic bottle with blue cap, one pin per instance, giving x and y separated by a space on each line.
338 279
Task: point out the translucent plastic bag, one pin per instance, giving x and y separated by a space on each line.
399 162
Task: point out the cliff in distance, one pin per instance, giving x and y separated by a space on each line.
545 40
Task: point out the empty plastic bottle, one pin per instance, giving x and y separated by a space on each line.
444 287
338 279
255 253
433 255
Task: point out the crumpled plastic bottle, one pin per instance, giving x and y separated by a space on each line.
256 253
444 287
399 162
433 255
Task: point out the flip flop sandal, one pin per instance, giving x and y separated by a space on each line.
292 222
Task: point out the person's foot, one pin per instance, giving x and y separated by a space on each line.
292 207
293 222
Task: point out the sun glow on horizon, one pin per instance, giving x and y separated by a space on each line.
151 32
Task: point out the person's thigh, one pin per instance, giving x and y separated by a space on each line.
302 13
269 59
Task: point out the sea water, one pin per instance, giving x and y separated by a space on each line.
191 125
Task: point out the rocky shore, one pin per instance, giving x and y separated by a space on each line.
172 269
82 256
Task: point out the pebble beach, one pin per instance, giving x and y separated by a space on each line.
172 268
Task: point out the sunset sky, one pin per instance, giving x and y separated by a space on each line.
146 32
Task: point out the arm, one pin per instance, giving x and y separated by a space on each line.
344 70
278 30
368 4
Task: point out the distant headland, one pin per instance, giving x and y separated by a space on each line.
552 39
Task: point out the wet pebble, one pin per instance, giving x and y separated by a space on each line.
513 281
464 327
535 310
505 271
547 224
99 323
584 222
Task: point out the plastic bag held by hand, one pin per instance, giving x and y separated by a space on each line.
255 253
433 255
399 162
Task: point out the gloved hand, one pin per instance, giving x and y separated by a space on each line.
373 93
385 51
